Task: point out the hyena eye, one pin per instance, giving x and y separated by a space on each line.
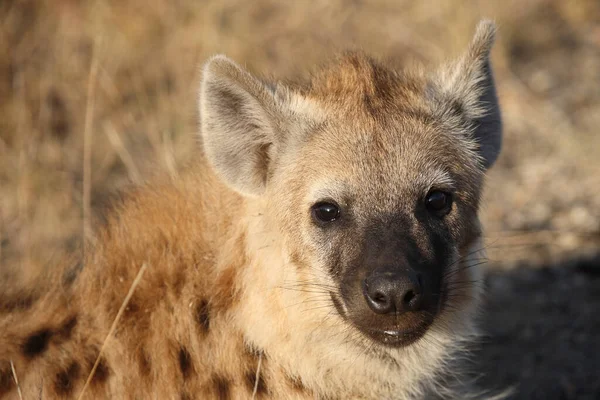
324 211
438 202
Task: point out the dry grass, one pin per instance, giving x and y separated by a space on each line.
113 327
14 374
95 94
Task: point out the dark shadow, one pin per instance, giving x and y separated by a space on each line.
542 330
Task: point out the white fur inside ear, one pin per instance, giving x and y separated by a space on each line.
237 124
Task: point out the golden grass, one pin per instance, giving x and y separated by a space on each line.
80 117
14 374
113 327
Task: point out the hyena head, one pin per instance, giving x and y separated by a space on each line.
371 177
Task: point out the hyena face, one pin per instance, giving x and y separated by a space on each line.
371 176
387 209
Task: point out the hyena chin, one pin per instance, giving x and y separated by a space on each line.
325 245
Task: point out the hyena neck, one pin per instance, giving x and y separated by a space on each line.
306 338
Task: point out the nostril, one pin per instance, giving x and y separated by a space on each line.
409 297
379 297
413 296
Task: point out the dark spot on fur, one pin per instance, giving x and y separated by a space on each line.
71 274
66 330
102 372
253 350
295 257
296 383
144 363
37 343
131 309
298 261
203 316
250 379
6 378
185 362
65 380
255 356
221 387
179 281
17 303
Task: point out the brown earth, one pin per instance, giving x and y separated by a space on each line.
97 94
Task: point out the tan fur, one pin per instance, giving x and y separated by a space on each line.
229 246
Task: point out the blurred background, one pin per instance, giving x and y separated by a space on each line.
97 95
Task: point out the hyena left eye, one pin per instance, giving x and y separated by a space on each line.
325 212
438 202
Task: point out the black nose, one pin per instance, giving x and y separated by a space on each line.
394 291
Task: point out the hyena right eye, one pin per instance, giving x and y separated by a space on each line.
324 212
438 202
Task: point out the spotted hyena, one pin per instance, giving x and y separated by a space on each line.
320 247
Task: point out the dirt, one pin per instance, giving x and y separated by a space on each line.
542 331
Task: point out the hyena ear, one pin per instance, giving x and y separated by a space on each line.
469 84
238 118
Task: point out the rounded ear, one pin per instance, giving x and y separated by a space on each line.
469 82
238 117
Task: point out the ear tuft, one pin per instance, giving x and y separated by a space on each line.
483 40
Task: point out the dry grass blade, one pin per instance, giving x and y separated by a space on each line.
257 377
14 372
169 155
136 281
115 140
87 144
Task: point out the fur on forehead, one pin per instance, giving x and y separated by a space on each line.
356 84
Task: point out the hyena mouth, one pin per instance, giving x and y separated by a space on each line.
393 331
395 337
399 338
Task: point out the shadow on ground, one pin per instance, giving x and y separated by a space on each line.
543 331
